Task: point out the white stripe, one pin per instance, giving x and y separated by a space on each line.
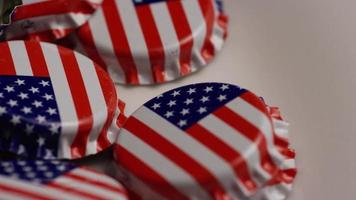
104 45
238 142
86 188
45 23
6 195
189 145
138 186
259 120
96 100
281 128
69 119
136 39
218 32
96 177
198 26
20 58
44 191
169 39
155 160
114 129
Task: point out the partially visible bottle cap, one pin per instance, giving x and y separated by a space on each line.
41 179
54 102
153 41
202 141
47 20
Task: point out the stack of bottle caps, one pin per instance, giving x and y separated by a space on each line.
59 62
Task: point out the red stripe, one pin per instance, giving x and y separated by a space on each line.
111 101
96 183
184 34
223 21
207 8
122 117
73 190
249 131
135 166
153 42
54 8
81 101
87 40
176 155
119 40
284 176
37 60
231 156
17 190
7 66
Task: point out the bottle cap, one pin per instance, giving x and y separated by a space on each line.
201 141
41 179
48 20
153 41
54 102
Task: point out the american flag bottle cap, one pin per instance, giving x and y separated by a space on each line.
44 179
204 141
48 20
54 102
153 41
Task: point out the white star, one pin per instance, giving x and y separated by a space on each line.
208 89
224 87
26 110
27 169
40 119
51 111
204 99
169 114
176 93
48 174
155 106
41 141
44 83
23 95
1 95
202 110
15 119
171 103
37 104
9 89
2 110
29 129
21 150
159 96
48 97
20 82
12 103
34 90
49 155
182 123
191 90
188 101
184 111
222 97
54 128
61 167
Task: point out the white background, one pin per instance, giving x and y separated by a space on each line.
301 56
